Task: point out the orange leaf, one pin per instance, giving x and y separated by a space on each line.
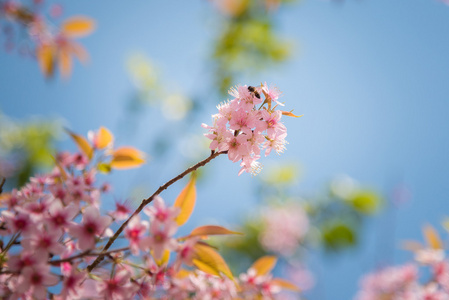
284 284
104 138
4 197
126 158
211 230
290 114
432 238
61 170
78 26
65 62
78 51
46 57
209 261
264 264
82 144
186 201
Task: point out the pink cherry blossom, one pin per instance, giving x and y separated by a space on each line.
92 226
272 93
121 211
237 147
71 283
160 239
60 217
161 213
36 279
43 242
283 228
20 222
118 287
134 233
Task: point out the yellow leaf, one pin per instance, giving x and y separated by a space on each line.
82 144
290 114
104 168
208 260
183 273
164 259
207 268
284 284
104 138
264 264
126 158
186 201
78 26
432 238
46 57
211 230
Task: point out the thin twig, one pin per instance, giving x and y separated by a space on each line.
1 185
85 253
146 202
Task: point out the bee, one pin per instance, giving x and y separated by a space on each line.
254 92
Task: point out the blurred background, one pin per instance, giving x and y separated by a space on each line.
366 166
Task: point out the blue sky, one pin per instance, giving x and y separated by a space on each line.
370 77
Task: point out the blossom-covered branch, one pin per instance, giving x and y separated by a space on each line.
54 234
145 202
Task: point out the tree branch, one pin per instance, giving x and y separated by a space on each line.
146 202
1 185
85 253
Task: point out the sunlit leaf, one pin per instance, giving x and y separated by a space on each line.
61 170
432 237
82 144
186 201
104 138
205 267
78 26
165 258
64 62
264 264
4 197
365 201
284 284
104 168
211 230
208 260
126 158
290 114
183 273
46 57
337 235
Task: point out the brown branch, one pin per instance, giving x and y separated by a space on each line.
85 253
1 185
146 202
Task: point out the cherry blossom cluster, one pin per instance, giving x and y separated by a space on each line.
427 277
53 230
52 45
45 223
248 123
283 229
